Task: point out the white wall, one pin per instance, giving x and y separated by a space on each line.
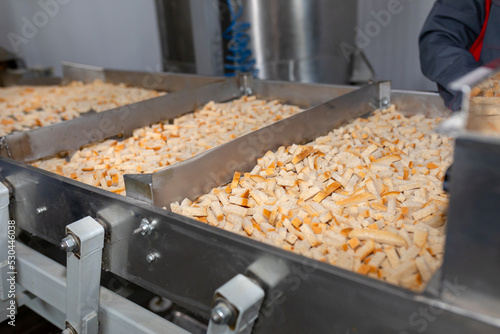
393 52
119 34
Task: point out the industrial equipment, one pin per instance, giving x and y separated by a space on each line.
235 285
274 39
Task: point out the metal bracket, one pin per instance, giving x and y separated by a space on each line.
246 83
139 186
236 306
384 94
83 275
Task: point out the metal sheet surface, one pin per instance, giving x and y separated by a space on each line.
473 232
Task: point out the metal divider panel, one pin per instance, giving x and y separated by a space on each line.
149 79
198 175
81 72
306 95
170 82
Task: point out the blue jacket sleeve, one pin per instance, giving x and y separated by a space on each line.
446 37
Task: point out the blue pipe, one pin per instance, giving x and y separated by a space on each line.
240 56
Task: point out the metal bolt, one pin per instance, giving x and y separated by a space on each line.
151 257
222 314
67 331
68 244
146 227
385 102
41 209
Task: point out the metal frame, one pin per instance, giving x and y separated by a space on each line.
44 283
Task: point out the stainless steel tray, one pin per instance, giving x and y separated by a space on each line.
195 259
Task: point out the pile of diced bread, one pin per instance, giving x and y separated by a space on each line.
27 107
487 88
154 147
484 111
367 197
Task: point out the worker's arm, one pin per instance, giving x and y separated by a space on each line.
447 35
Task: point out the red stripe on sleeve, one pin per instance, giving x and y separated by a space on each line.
478 44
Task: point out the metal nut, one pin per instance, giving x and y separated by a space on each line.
68 244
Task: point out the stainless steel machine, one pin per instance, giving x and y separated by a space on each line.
298 40
234 284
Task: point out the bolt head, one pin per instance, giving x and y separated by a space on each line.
385 102
150 258
217 317
41 209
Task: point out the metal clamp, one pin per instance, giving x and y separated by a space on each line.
236 306
84 243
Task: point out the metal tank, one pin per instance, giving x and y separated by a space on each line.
191 37
291 40
299 40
